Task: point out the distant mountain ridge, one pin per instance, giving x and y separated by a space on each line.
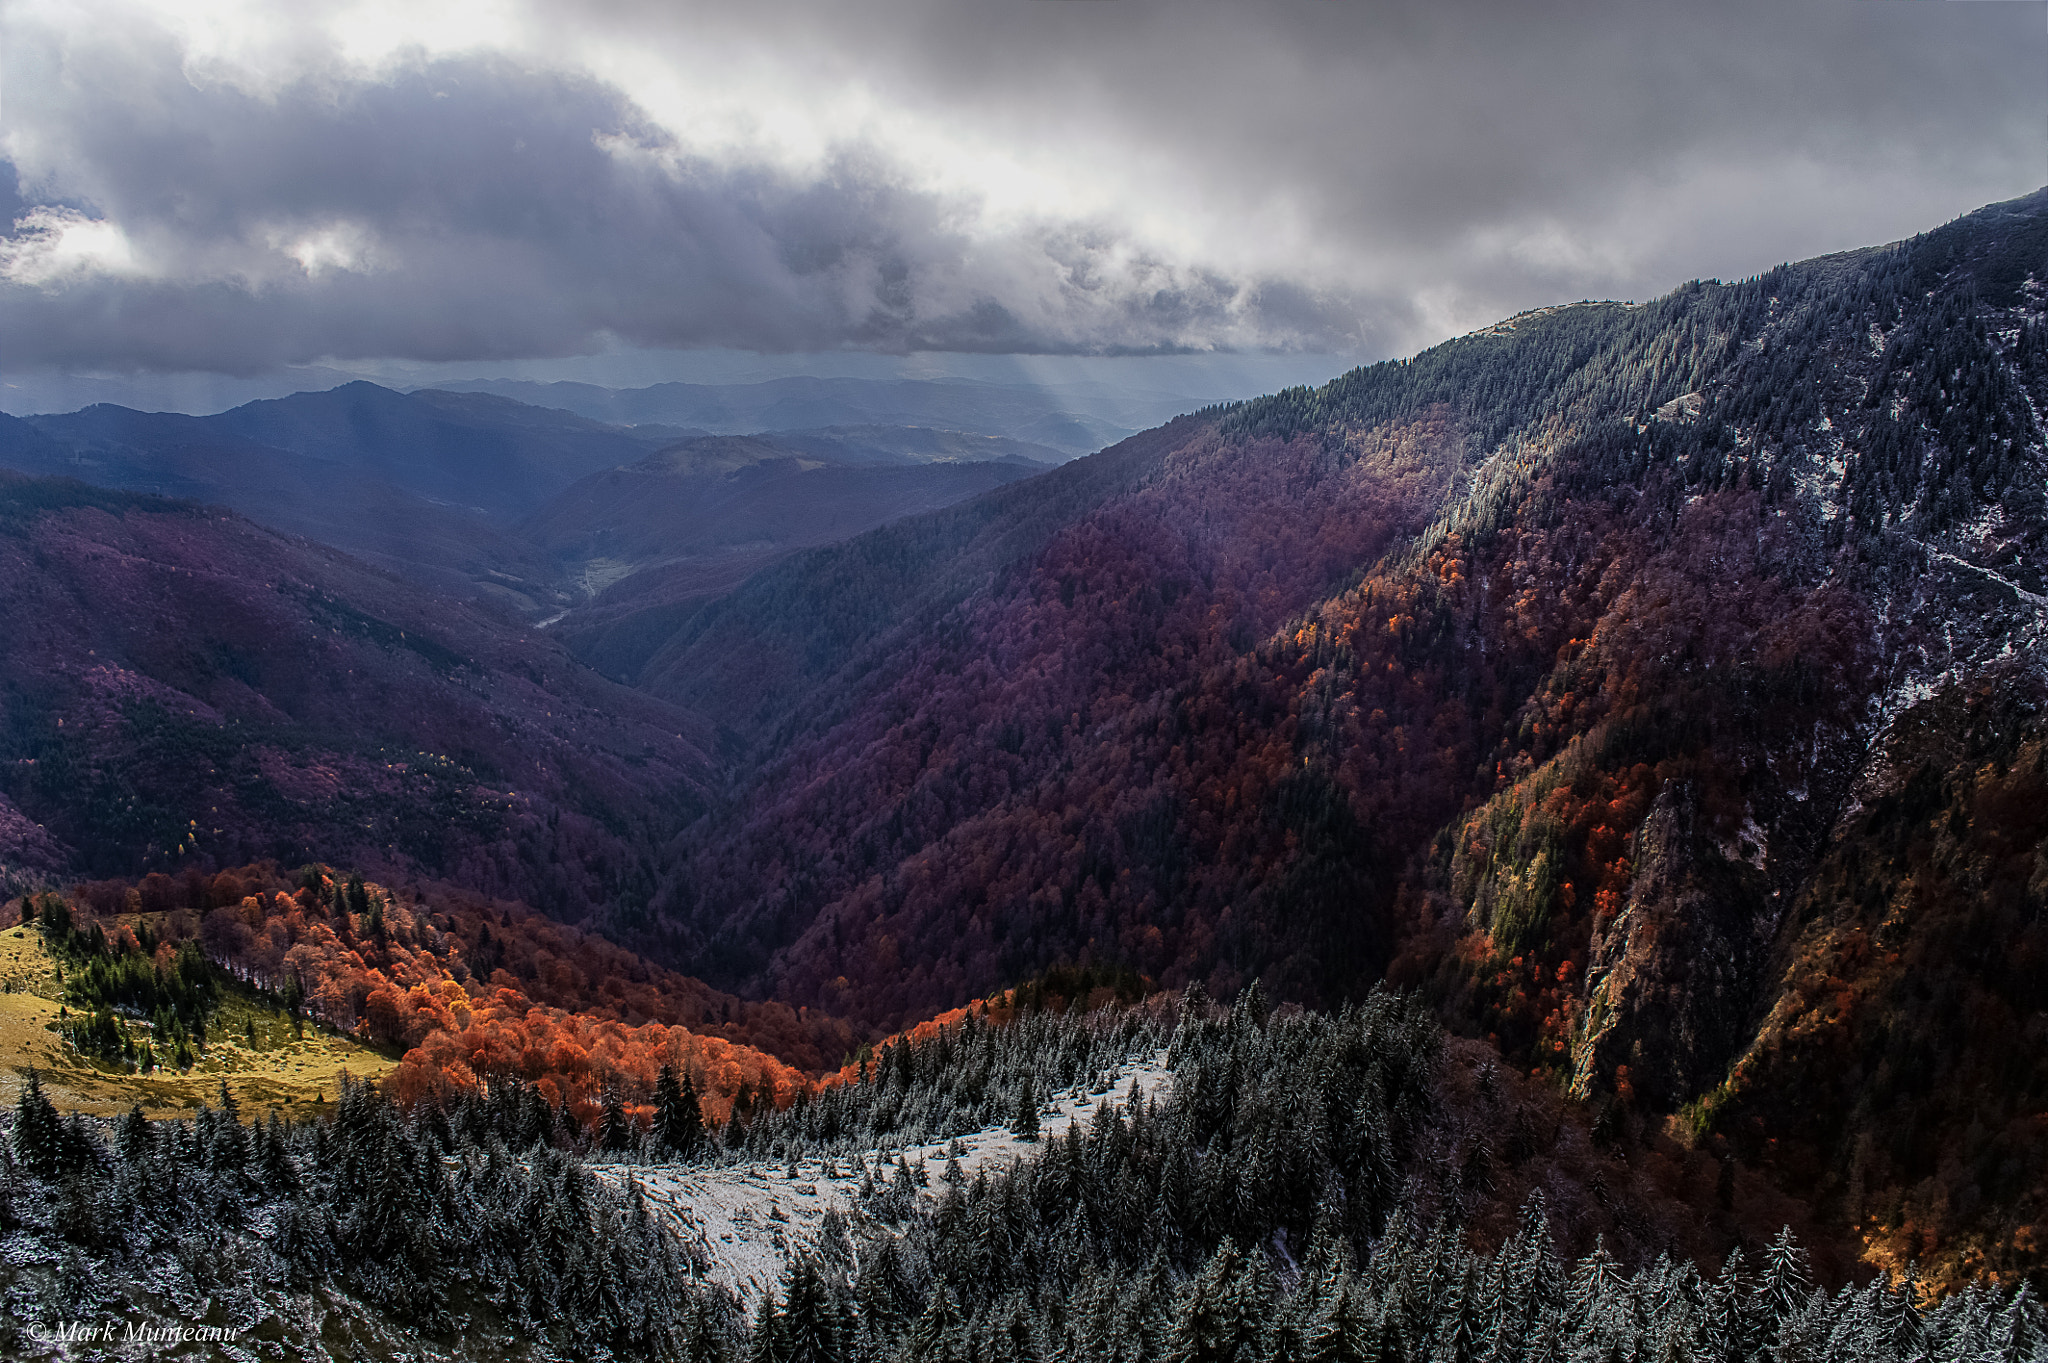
434 484
654 541
1656 690
1076 419
427 486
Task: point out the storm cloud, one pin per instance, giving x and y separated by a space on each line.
237 187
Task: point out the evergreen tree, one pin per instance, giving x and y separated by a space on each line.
39 1138
703 1340
617 1132
1344 1329
764 1344
935 1336
1024 1123
273 1159
356 896
678 1119
1782 1284
1222 1317
134 1139
810 1325
230 1144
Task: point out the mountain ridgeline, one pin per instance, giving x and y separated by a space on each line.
185 687
471 493
1653 691
1556 672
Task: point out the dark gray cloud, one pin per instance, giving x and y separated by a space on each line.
906 174
469 209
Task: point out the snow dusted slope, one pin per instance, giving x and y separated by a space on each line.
748 1220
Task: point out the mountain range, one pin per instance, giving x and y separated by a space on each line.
1076 418
1578 673
1654 689
441 487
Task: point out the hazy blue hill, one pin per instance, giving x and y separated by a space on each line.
1020 412
433 483
468 450
26 449
910 445
724 493
373 472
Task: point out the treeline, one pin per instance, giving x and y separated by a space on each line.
123 976
465 991
472 936
978 1067
181 1217
1278 1205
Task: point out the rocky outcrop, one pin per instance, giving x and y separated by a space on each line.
1671 979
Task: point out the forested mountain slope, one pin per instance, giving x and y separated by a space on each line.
179 684
778 652
652 540
1312 1187
1541 670
428 484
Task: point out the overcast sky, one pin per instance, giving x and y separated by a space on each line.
228 189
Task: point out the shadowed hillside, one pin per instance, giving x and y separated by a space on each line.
182 686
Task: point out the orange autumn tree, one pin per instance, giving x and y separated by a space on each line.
466 991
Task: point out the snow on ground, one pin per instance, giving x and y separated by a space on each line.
748 1219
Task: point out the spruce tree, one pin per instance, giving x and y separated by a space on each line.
678 1118
702 1339
879 1293
1344 1329
617 1132
1148 1322
39 1141
1009 1337
810 1319
764 1344
230 1146
935 1336
134 1140
273 1159
1024 1124
1782 1284
1223 1315
355 896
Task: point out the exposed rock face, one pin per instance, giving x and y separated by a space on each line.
1672 978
